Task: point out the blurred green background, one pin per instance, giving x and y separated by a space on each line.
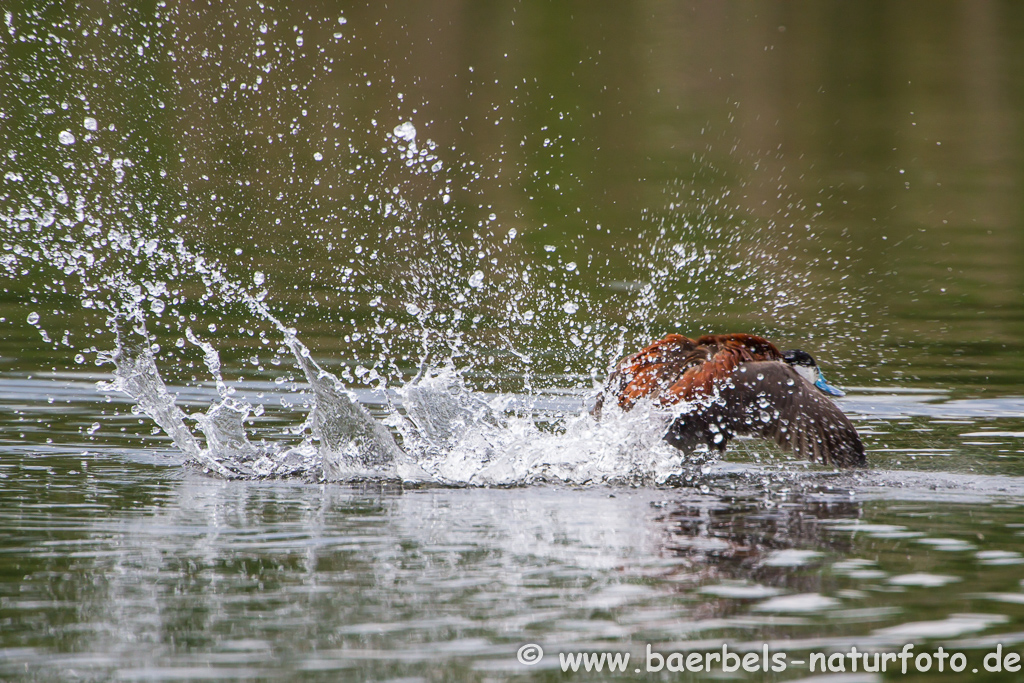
843 177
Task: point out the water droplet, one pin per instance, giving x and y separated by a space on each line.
157 306
66 137
79 358
570 307
90 123
405 131
342 20
477 280
33 318
258 278
412 309
570 266
299 41
94 428
318 156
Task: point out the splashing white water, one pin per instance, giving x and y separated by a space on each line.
451 434
433 266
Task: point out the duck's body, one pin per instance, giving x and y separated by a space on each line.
739 385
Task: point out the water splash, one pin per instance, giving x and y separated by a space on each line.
451 435
395 246
353 445
136 374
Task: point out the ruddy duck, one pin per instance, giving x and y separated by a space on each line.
739 385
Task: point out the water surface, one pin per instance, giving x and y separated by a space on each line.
518 194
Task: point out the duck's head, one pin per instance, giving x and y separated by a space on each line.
804 363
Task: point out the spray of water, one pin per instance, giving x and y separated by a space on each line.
461 325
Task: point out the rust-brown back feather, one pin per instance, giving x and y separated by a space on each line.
677 368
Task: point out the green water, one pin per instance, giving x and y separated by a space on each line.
865 161
841 177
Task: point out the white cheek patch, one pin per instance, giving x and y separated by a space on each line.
809 374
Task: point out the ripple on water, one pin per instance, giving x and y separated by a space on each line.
999 557
740 591
1011 598
923 579
947 544
857 568
790 557
802 603
950 627
873 530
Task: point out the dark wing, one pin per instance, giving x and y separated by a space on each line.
771 400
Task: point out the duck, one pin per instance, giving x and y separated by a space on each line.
729 385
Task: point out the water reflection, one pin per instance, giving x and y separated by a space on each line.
189 577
